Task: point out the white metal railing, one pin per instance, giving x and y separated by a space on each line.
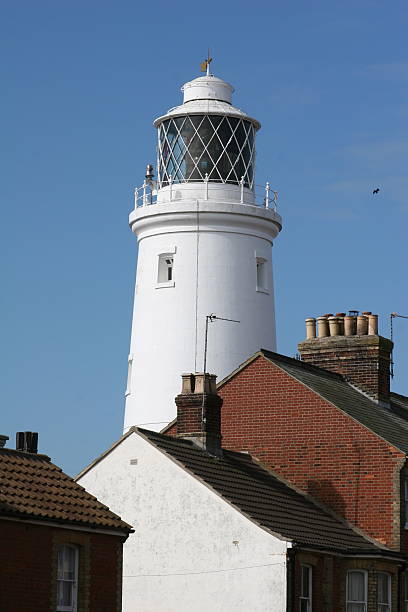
264 195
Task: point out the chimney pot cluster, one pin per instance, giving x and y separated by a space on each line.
342 325
199 383
27 441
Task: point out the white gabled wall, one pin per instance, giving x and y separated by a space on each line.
191 551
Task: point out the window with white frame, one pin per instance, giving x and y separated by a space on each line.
305 599
67 578
383 592
261 274
165 273
356 591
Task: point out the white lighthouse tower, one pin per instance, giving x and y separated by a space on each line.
204 247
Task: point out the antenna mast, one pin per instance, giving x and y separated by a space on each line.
211 318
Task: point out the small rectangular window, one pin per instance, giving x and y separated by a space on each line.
67 579
383 592
165 273
357 591
129 376
305 599
261 275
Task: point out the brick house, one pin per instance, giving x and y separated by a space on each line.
216 528
330 426
61 549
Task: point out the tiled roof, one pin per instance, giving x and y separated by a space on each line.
31 487
390 423
263 497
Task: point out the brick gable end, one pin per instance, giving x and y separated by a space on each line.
315 446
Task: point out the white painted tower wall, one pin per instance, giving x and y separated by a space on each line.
216 235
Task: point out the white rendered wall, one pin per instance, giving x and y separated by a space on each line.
215 246
182 556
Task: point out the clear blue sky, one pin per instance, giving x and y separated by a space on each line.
82 82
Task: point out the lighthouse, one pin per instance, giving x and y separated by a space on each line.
204 295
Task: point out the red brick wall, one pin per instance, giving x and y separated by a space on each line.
315 446
105 573
25 567
28 568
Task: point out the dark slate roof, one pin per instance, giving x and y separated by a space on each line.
263 497
390 423
31 487
400 404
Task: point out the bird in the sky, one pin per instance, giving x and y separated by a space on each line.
376 190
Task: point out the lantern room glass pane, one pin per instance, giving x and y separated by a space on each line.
191 147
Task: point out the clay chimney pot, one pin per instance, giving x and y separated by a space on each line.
349 326
310 328
334 326
322 327
372 325
362 325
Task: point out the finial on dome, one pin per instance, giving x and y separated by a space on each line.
205 65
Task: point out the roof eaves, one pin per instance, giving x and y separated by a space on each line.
353 552
123 529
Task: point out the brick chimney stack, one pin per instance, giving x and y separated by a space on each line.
350 345
199 412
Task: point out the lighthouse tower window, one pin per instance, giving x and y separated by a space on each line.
165 273
261 275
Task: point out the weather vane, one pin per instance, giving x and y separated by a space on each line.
205 65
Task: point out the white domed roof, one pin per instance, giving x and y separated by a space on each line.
209 95
207 88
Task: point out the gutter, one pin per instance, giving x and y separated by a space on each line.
360 552
66 525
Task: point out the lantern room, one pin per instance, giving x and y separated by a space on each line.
206 139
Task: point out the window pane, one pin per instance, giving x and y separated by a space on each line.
356 586
305 581
304 605
356 607
383 583
65 593
224 132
